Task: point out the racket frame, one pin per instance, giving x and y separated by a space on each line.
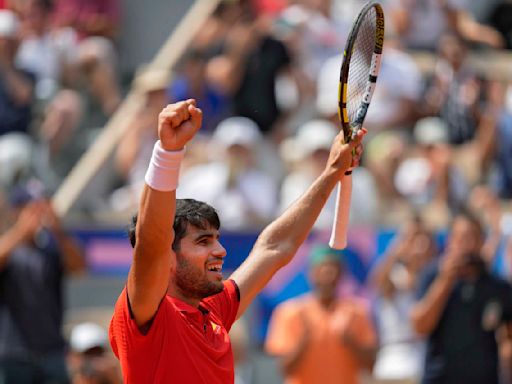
350 128
338 238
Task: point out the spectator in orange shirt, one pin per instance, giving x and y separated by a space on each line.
321 337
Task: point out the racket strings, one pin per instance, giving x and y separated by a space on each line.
360 64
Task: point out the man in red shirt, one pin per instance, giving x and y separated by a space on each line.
171 322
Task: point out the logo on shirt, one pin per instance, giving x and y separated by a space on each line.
215 327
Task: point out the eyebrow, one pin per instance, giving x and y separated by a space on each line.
207 235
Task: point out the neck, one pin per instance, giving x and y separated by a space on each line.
325 301
175 292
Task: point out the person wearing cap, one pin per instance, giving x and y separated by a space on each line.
90 360
305 154
321 337
245 197
171 322
35 255
463 311
427 176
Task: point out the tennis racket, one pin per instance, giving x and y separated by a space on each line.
358 77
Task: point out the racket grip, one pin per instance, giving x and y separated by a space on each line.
342 214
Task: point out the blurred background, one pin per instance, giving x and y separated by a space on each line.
82 83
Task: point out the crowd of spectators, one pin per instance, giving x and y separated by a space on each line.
265 73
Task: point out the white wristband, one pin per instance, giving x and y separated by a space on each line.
164 168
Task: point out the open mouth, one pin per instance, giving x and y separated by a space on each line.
214 268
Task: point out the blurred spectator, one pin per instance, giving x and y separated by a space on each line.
501 19
89 18
256 59
35 254
90 361
306 154
486 204
199 77
383 156
60 140
396 100
16 85
421 23
134 150
460 308
455 90
323 36
470 106
211 37
401 350
244 196
87 30
39 52
269 7
502 178
321 337
427 177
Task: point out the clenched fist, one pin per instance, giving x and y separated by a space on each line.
178 123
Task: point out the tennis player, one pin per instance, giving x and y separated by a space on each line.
171 322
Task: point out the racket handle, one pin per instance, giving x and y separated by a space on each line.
342 213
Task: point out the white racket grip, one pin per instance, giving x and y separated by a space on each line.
342 214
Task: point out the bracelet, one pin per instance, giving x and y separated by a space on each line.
164 168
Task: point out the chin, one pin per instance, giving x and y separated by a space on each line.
214 288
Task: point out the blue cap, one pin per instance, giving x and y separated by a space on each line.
323 253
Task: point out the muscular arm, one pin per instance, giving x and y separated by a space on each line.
149 274
153 259
278 242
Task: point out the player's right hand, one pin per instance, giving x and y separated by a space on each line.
344 156
178 123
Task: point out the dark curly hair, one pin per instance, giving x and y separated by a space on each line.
188 211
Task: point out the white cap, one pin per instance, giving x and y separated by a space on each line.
431 130
85 336
9 23
412 176
15 156
327 86
237 131
312 136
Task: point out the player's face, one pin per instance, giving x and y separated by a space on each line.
199 260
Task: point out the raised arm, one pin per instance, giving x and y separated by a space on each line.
279 241
148 278
427 312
